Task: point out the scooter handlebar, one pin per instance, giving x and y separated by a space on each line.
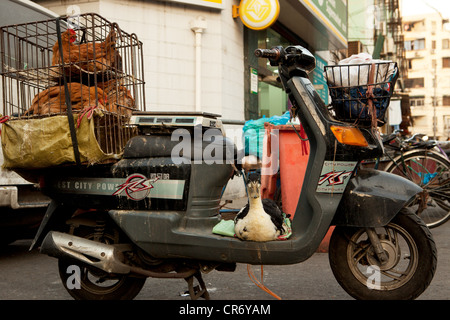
268 53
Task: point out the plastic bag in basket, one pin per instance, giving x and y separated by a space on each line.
352 103
355 70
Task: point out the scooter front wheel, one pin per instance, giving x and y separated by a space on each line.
411 259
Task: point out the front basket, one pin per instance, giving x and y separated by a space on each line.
361 93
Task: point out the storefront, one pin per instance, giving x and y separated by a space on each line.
320 26
266 96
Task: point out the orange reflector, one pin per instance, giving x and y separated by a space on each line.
349 135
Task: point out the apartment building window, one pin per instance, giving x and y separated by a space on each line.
410 64
445 43
414 83
446 100
447 126
417 44
418 101
414 25
446 62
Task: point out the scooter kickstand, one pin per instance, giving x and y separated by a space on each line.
197 291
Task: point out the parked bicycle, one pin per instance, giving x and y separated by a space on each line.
425 163
417 141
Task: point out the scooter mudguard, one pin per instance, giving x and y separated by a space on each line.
373 198
55 215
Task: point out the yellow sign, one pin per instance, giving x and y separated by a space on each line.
257 14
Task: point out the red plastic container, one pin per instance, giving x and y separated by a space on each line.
292 156
283 146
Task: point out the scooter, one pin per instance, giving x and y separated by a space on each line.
151 214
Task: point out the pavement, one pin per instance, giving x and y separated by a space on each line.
29 275
32 276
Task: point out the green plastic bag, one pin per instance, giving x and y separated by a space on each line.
254 133
224 228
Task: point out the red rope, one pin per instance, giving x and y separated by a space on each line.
260 284
370 96
3 120
89 111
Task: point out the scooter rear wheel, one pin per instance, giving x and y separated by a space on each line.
84 282
89 283
409 269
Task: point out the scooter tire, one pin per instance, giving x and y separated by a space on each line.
347 264
77 284
85 282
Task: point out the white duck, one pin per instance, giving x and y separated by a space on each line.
259 220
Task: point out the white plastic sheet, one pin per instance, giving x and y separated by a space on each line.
355 71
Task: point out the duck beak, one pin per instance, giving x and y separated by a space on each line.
253 190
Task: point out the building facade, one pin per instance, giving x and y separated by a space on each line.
427 45
375 27
169 30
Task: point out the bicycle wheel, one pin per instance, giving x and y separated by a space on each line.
431 172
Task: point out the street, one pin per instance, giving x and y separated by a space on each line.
32 276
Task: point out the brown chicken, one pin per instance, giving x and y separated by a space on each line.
119 97
53 99
98 56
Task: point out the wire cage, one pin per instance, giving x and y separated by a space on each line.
81 66
361 93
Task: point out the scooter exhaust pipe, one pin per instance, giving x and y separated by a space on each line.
103 256
100 255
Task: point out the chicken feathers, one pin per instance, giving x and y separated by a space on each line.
119 97
53 99
91 57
